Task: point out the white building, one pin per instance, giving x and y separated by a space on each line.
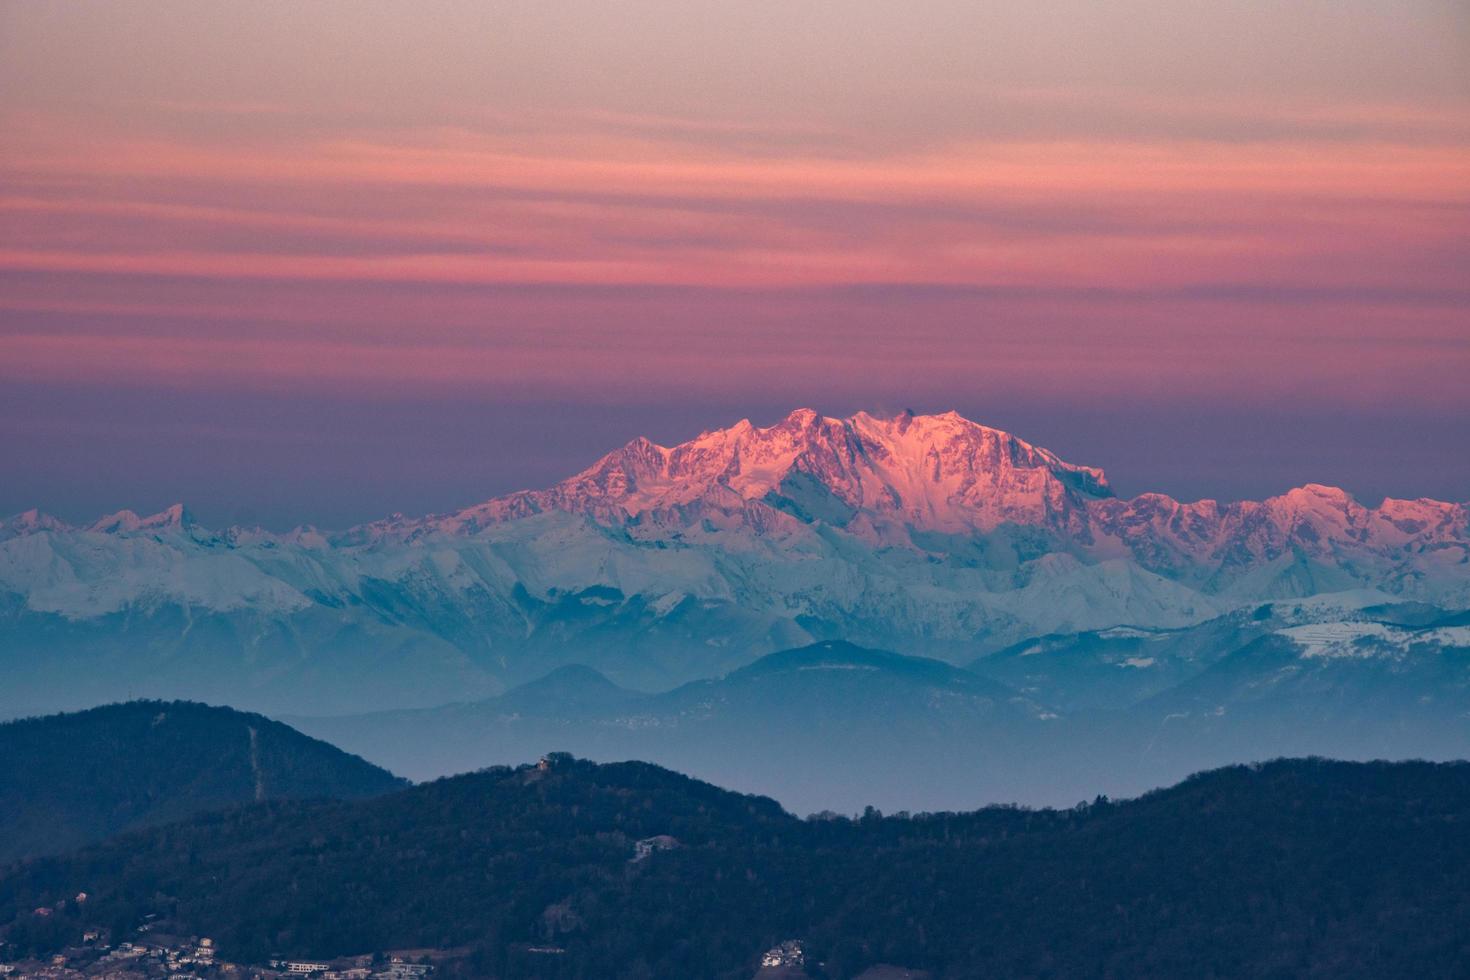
646 846
790 953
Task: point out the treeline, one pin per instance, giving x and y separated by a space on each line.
1293 868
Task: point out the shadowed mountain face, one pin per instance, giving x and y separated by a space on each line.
662 565
1047 722
827 725
1293 868
68 780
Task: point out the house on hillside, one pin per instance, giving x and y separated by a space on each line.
659 842
790 953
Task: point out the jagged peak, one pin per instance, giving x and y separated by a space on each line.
643 444
175 515
30 522
1393 504
802 418
35 517
794 421
124 521
935 471
1315 497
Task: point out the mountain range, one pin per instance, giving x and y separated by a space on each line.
658 566
1049 721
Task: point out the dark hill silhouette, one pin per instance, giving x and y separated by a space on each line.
71 779
1303 868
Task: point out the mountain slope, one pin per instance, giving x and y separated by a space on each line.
833 725
940 473
1117 668
1288 678
661 565
1348 689
827 725
1294 868
68 780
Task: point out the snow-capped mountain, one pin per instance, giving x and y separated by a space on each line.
927 534
876 478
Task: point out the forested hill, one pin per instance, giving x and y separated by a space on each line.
72 779
1292 868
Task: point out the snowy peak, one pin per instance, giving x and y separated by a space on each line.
951 447
889 480
1299 533
121 521
124 522
936 472
178 517
31 521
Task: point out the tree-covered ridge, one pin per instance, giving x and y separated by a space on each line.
72 779
1292 868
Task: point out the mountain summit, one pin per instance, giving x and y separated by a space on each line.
938 472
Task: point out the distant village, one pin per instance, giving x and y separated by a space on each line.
197 958
152 954
161 957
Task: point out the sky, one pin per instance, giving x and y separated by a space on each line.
315 263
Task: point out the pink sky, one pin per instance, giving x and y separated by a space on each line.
1200 204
